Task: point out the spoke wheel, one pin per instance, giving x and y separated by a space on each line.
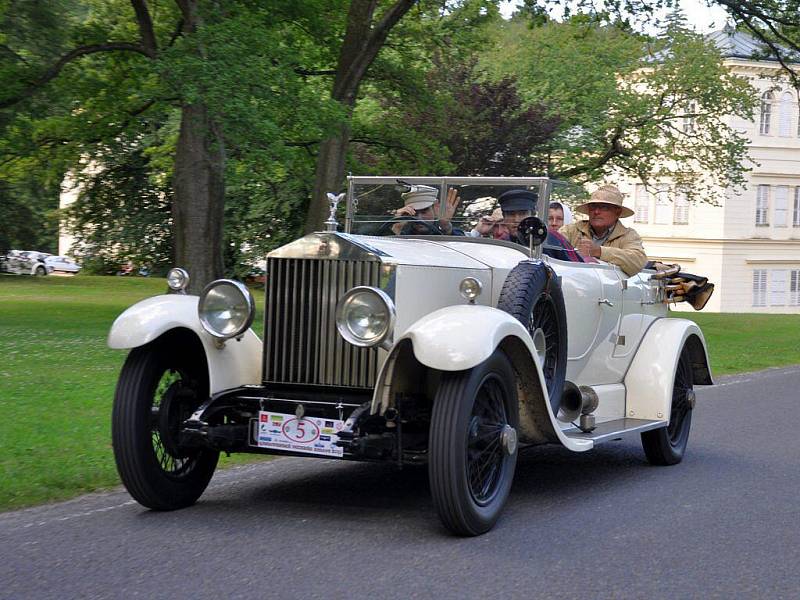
159 387
667 445
473 445
531 293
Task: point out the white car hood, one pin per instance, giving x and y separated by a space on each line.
466 254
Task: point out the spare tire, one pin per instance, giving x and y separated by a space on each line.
532 294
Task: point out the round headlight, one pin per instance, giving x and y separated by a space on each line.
226 308
365 316
470 288
177 279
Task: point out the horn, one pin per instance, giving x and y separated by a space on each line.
571 403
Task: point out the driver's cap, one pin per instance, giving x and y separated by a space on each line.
420 197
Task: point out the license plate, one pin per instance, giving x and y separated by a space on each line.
309 435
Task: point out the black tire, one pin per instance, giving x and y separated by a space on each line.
41 271
667 445
469 470
532 294
159 387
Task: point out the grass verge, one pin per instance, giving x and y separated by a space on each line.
57 376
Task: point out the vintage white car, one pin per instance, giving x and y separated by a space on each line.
389 341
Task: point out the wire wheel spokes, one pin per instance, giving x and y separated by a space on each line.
543 317
172 404
680 401
485 454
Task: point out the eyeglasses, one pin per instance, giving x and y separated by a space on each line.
601 206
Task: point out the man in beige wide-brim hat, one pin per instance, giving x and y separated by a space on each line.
603 236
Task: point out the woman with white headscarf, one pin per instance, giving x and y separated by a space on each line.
558 215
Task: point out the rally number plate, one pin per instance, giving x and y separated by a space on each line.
309 435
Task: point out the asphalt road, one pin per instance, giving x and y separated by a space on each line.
725 523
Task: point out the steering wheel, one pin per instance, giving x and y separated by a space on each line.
430 228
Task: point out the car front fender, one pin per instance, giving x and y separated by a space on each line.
651 376
235 363
456 338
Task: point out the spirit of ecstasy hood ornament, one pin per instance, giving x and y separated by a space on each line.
333 199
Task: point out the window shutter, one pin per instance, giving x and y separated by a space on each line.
781 205
796 212
777 288
785 115
642 205
759 287
794 288
681 216
766 113
762 204
663 211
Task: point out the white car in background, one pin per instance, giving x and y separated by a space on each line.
62 264
26 262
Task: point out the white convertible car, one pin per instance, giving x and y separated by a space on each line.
388 341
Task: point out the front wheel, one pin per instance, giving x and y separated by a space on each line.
41 271
160 385
473 445
667 445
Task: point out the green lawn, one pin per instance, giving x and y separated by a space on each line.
57 379
57 376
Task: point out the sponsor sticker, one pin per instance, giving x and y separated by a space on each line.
309 435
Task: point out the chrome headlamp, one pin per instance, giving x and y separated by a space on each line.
177 280
365 316
470 288
226 308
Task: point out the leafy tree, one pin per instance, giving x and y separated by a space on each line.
97 71
654 111
776 23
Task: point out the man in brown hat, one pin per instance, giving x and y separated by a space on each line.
603 236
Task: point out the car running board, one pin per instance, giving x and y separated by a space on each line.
611 430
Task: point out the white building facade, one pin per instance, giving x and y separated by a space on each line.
749 246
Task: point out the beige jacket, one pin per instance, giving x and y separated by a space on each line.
622 248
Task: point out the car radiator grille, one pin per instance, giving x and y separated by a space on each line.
301 341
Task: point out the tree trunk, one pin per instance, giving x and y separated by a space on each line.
362 41
198 207
328 176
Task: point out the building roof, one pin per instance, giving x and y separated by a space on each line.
739 44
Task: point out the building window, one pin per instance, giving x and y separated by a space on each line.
777 288
688 119
759 287
766 113
781 206
762 205
796 212
681 214
663 209
785 115
641 205
794 288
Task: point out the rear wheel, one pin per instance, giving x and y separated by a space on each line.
473 445
667 445
160 385
41 271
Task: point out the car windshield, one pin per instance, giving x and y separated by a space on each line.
421 206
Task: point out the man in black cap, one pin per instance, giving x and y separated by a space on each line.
517 204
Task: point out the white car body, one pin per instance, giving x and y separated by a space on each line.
623 349
26 262
62 264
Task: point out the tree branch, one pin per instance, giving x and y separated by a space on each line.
313 73
145 27
53 71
